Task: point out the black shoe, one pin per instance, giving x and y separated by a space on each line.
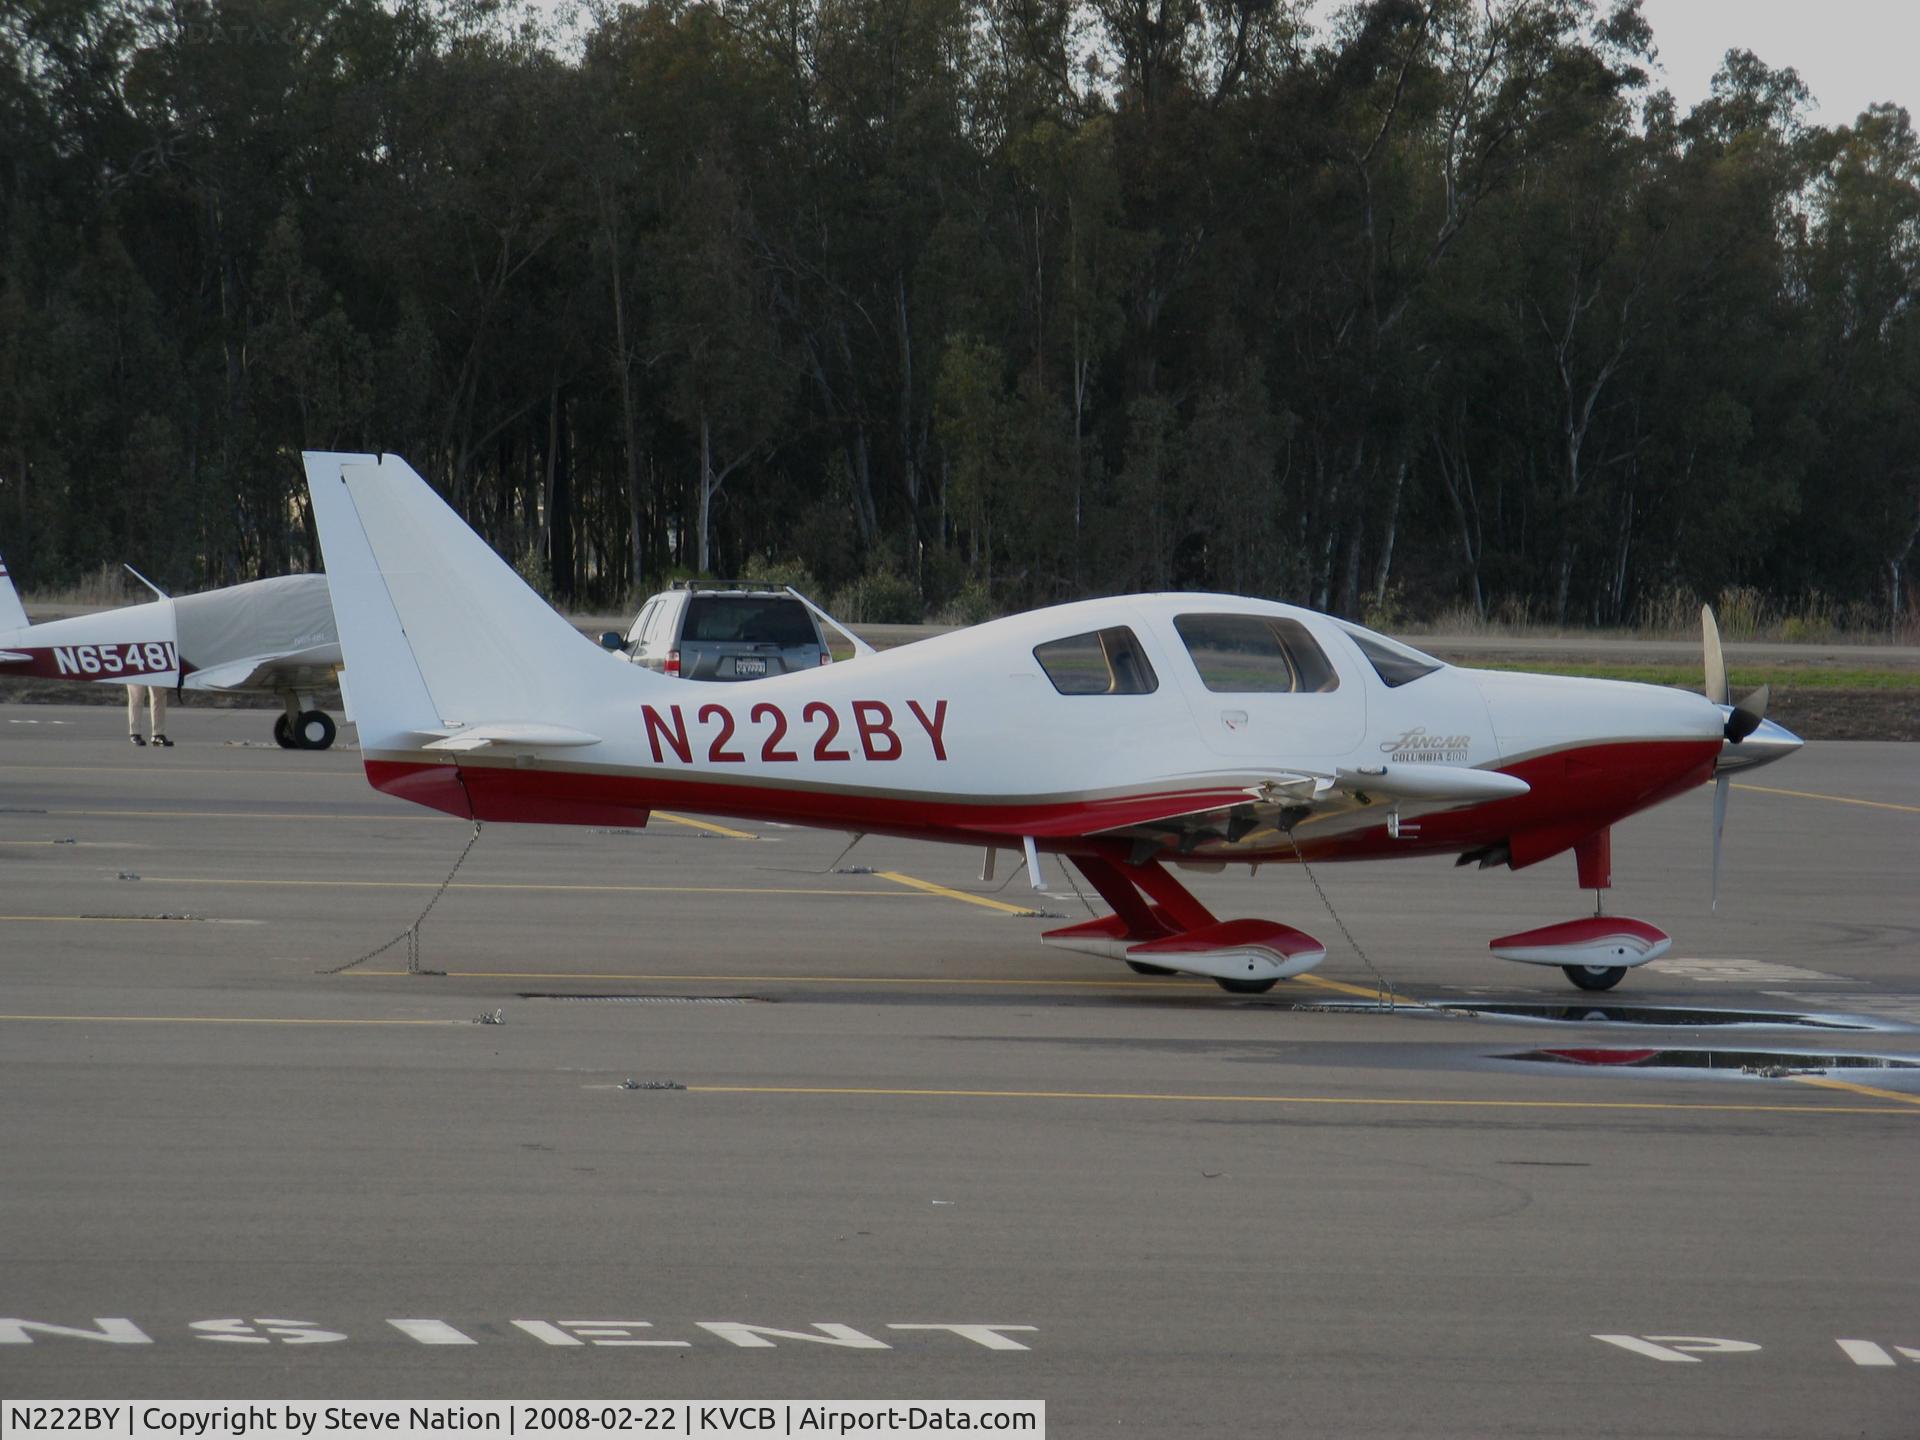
163 742
136 739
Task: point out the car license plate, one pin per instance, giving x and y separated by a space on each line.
746 666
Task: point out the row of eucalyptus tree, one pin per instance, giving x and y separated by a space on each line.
962 303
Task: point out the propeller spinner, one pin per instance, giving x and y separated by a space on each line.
1751 738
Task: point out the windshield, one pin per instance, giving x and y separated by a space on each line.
1396 664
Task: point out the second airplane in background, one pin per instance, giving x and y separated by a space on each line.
266 637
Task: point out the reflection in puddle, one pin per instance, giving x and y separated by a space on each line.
1578 1013
1661 1015
1753 1062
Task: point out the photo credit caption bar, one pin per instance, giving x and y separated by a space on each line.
531 1419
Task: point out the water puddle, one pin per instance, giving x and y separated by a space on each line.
1768 1063
1667 1015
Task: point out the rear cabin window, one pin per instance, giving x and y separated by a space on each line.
745 619
1101 662
1396 664
1255 654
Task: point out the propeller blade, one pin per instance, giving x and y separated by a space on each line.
1748 714
1716 665
1719 828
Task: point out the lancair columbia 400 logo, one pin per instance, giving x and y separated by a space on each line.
1417 744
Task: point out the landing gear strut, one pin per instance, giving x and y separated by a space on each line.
1155 917
1587 950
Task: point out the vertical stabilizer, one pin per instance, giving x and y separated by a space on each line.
437 631
13 615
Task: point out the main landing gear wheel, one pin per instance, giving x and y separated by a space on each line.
1246 987
1595 977
314 730
1140 967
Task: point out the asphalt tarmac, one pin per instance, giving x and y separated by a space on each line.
928 1158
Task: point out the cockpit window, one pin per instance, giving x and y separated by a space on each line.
1255 654
1101 662
1395 663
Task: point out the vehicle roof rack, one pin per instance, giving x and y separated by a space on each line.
757 587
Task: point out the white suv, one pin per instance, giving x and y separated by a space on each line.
725 631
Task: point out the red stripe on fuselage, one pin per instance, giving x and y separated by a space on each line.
574 797
1575 792
116 663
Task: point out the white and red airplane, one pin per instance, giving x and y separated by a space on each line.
271 637
1134 736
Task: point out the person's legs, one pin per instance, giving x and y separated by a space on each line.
157 697
133 714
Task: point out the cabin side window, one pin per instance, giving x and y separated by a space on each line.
1255 654
1101 662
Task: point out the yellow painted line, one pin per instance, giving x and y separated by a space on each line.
82 844
723 830
1366 992
1836 799
168 767
522 885
433 818
706 825
1116 984
1348 1100
932 889
214 1020
1824 1082
1170 982
99 919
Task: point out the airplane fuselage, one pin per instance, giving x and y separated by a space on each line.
965 738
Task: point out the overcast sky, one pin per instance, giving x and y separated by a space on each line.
1850 53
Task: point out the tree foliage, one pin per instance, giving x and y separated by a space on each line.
988 302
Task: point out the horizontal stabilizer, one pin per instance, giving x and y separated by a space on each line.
511 735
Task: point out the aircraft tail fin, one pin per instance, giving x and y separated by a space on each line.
13 615
437 631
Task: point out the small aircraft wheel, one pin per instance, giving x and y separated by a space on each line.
283 734
316 730
1246 987
1595 977
1140 967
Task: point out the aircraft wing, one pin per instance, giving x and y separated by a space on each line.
308 669
1258 813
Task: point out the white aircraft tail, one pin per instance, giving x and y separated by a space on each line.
440 637
13 615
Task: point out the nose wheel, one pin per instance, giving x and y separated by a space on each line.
1595 977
